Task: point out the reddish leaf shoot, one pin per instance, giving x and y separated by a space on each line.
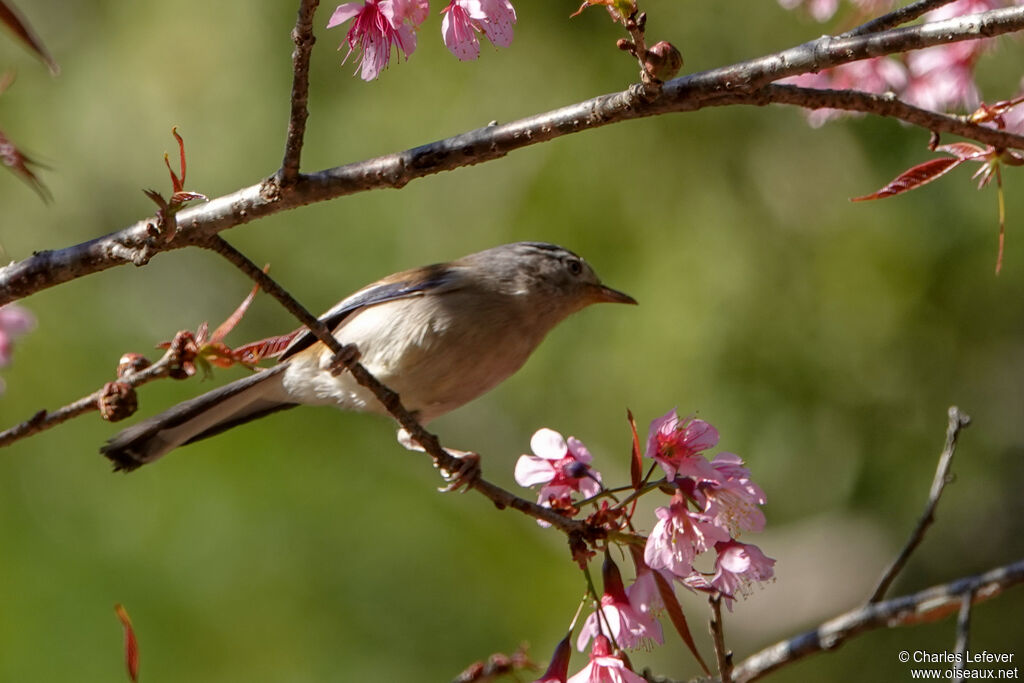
22 31
131 645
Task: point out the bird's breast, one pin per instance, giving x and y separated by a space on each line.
437 352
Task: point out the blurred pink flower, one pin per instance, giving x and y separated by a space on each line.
379 26
1014 118
679 536
821 10
670 441
604 667
941 77
738 565
14 322
630 622
464 18
562 466
876 75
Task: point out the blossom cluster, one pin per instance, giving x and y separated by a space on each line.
935 78
379 27
712 503
14 322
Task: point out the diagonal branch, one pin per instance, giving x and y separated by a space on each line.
957 422
741 83
302 36
927 605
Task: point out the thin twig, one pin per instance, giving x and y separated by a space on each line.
391 401
302 36
957 421
896 18
741 83
963 631
722 654
45 419
927 605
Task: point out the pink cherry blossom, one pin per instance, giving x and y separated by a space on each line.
463 19
679 536
14 322
630 622
739 565
671 441
943 76
732 500
379 26
563 466
604 667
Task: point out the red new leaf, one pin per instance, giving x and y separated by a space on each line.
636 462
675 613
254 352
233 319
20 28
131 645
914 178
18 163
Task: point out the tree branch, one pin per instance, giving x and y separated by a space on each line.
957 422
741 83
128 379
897 17
302 36
887 106
927 605
722 654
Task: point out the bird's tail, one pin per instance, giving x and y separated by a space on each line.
223 408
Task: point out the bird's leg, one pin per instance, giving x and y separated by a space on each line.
461 477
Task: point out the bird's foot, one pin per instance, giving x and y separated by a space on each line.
462 476
339 363
465 474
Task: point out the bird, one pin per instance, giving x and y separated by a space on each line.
439 335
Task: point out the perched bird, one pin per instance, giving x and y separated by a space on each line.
439 335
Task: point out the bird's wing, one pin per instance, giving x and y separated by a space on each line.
398 286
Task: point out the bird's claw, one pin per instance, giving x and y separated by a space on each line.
465 474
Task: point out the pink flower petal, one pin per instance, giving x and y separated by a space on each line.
548 444
344 12
459 36
531 470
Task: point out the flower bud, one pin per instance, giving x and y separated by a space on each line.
117 401
663 61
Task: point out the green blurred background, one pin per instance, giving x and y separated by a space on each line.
824 339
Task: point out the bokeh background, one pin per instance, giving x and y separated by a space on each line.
824 339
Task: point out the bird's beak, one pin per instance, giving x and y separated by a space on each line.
608 295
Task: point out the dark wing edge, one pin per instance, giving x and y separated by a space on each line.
399 286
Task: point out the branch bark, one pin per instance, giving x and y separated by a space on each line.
302 36
957 422
741 83
927 605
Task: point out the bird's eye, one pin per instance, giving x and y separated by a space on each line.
575 267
